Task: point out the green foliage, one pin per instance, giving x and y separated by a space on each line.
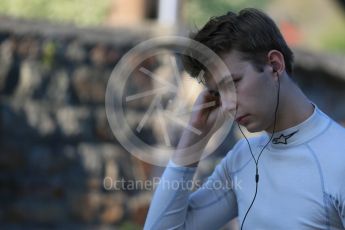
83 12
129 226
199 11
49 50
334 41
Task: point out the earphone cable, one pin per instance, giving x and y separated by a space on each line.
257 160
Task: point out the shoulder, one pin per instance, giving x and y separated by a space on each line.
329 149
337 129
332 138
333 127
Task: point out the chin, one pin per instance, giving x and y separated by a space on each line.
253 128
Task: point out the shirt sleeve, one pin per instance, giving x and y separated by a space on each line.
175 206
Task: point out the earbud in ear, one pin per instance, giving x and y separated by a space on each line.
274 69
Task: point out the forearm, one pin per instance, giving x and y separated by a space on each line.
190 148
168 208
176 207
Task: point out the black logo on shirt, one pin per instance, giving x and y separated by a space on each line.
282 139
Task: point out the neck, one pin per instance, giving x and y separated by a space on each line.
294 107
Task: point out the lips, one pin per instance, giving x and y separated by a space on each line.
241 119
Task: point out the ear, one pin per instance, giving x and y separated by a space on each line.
276 60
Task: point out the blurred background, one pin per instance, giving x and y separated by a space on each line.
55 60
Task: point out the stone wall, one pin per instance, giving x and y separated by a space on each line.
56 145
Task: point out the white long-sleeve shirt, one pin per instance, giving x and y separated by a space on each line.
301 186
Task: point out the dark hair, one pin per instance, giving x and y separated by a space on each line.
251 32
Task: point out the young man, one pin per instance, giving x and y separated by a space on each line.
290 177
